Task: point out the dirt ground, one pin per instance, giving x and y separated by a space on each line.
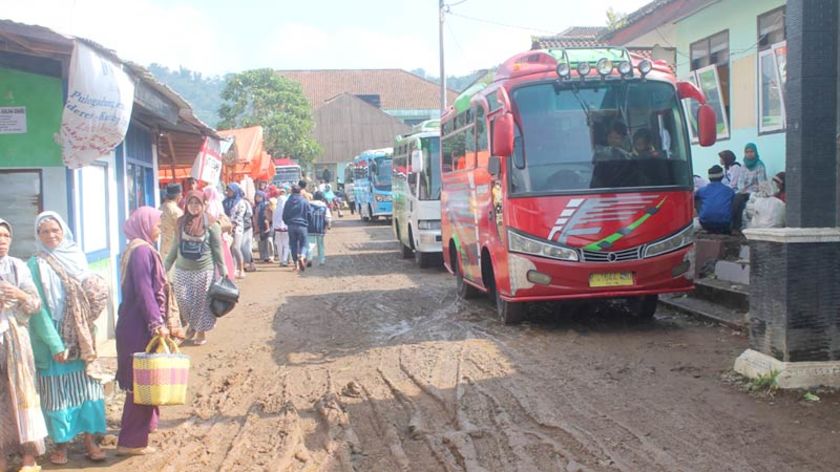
371 364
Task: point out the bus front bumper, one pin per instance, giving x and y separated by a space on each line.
428 241
540 279
382 208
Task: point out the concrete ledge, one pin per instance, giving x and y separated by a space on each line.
794 235
791 375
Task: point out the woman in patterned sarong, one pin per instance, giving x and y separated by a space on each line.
22 428
62 335
143 314
197 257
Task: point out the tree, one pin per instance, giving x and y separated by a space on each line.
262 98
615 20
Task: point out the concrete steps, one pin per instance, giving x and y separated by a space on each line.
705 310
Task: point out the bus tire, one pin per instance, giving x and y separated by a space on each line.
424 259
510 313
643 308
406 251
463 290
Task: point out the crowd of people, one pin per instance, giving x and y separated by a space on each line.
737 196
50 379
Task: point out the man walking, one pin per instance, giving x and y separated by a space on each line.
170 212
296 216
281 231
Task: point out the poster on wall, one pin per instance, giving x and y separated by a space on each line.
99 100
12 120
207 166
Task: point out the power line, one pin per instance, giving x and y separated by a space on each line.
497 23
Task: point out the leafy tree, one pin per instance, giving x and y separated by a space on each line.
615 20
262 98
202 92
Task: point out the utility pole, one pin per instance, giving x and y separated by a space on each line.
442 71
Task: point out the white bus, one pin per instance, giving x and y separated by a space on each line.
416 193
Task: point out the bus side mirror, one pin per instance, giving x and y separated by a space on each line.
416 161
503 135
706 126
494 166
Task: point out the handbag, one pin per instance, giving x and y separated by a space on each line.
161 374
223 296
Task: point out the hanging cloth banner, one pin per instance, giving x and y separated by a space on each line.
99 100
207 166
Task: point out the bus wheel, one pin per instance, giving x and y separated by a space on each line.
463 290
643 308
406 251
510 313
424 259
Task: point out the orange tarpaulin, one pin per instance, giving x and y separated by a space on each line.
250 157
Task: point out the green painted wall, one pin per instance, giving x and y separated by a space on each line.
43 98
740 18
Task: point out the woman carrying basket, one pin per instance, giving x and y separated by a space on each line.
143 313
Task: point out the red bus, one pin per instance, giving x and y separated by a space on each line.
566 174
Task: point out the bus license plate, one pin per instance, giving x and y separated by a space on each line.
612 279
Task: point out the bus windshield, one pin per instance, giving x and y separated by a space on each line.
382 173
604 135
430 177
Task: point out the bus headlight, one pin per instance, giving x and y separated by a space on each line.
523 244
671 243
428 224
382 198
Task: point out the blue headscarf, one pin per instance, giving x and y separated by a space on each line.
231 202
752 164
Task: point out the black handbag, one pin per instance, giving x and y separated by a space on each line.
223 296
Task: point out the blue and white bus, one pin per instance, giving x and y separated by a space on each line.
372 185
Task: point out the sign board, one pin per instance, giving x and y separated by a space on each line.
207 166
98 108
12 120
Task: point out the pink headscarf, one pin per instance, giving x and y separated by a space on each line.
141 222
214 203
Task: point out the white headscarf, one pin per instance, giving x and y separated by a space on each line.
71 258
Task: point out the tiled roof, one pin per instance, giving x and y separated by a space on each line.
554 42
397 88
592 32
653 15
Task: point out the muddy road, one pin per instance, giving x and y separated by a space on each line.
371 364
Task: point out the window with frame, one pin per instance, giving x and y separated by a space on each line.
772 73
710 71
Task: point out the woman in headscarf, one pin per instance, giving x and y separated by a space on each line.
217 212
750 180
731 168
143 313
22 429
263 224
197 256
754 172
235 209
62 335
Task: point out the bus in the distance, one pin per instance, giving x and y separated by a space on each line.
416 191
372 183
566 175
286 172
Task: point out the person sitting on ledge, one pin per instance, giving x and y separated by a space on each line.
714 203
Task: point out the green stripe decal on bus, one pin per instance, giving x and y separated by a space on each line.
607 242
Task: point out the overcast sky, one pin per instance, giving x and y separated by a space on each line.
215 36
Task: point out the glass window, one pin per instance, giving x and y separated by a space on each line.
771 28
430 178
620 135
771 105
709 82
454 147
714 51
382 173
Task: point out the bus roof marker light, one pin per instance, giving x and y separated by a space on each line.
645 67
563 70
625 69
583 69
604 67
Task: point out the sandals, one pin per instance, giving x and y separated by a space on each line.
58 457
98 456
